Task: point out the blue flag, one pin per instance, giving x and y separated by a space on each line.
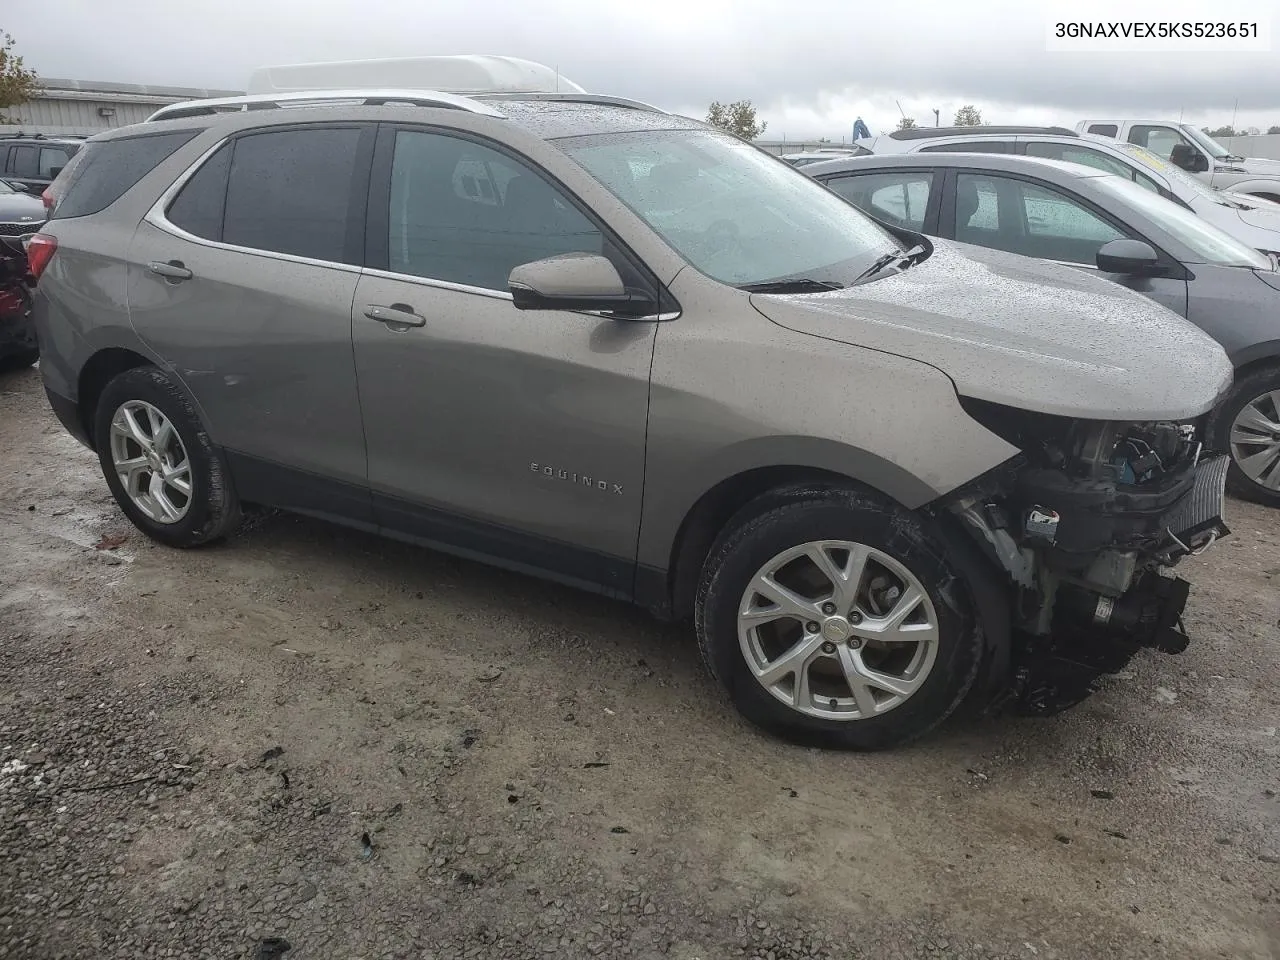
860 129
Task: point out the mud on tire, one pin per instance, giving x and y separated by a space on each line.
212 509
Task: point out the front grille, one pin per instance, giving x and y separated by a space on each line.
18 229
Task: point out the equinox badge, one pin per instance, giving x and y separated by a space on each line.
595 483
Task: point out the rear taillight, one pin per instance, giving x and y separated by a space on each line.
47 197
40 250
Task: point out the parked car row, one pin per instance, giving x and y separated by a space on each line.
1095 214
581 337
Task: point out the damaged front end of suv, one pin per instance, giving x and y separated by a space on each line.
1087 524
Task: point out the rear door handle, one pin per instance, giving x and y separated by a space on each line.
169 269
398 314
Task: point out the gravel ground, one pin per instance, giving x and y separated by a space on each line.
373 751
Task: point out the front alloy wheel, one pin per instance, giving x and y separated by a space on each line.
1255 440
838 630
835 616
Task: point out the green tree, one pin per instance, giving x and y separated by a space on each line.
968 116
1273 129
17 83
1224 131
906 123
736 118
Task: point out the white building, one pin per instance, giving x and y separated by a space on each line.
85 107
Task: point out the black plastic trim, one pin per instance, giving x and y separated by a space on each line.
68 413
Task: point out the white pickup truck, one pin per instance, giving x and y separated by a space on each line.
1190 148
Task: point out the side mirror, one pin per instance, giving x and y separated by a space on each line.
574 281
1188 158
1129 257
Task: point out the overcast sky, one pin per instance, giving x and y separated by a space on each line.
810 68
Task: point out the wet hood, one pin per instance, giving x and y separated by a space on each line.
1021 332
1258 165
1258 213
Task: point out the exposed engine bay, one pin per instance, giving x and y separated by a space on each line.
1087 524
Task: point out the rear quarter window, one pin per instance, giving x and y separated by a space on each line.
102 172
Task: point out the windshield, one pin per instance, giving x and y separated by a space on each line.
1208 243
1181 183
734 212
1212 146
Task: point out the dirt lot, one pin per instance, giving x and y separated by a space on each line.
544 773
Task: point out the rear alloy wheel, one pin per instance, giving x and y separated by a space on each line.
1248 428
159 462
836 617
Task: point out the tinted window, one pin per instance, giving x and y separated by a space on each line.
198 206
465 213
52 160
105 171
899 197
290 192
970 146
1030 219
1104 129
22 162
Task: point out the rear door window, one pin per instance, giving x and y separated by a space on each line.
291 191
199 205
23 162
104 172
899 197
1104 129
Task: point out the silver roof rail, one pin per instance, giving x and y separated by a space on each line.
576 98
372 98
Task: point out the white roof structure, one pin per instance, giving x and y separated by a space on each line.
463 74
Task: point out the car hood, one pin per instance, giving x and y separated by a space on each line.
1027 334
1258 165
22 208
1257 213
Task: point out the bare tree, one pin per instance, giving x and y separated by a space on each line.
906 123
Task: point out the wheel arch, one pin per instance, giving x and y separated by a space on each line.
99 370
675 543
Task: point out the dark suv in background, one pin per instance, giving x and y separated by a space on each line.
35 161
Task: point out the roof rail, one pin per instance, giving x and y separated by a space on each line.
575 98
19 135
370 98
927 133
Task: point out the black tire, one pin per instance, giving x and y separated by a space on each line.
213 510
788 518
1246 389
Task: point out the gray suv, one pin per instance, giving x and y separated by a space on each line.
586 339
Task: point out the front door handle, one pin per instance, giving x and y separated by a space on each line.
169 269
398 314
